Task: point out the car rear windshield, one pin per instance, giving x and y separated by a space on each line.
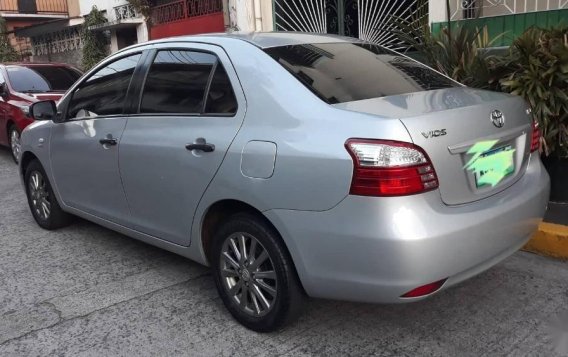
345 72
38 79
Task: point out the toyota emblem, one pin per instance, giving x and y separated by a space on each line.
497 118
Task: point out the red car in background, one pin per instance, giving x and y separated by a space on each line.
22 84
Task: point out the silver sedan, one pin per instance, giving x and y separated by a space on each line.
294 165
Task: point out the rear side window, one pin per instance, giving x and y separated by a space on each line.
345 72
187 82
105 91
221 98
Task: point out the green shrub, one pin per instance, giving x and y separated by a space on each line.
454 51
536 68
95 43
7 52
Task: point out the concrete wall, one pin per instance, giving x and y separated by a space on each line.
437 11
73 8
108 5
250 15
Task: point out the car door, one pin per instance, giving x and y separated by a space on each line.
191 107
84 147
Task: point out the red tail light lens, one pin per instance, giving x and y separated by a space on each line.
535 139
389 168
425 289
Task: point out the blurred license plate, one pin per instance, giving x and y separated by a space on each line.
509 168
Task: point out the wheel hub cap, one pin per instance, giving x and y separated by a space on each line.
245 275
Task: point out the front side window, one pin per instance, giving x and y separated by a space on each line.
104 92
39 79
187 82
345 71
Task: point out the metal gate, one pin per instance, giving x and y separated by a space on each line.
369 20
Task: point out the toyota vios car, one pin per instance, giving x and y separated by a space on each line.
22 84
294 165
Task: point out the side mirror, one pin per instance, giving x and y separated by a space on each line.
44 110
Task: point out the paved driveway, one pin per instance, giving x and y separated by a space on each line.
85 290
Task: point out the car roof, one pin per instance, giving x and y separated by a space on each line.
275 39
264 39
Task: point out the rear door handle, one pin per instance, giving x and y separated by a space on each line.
108 141
202 147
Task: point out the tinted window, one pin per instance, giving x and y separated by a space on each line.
221 98
37 79
105 91
344 72
177 82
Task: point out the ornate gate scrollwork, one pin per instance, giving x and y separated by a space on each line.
366 19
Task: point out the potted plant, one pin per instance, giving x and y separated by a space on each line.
536 68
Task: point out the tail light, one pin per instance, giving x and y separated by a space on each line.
389 168
535 139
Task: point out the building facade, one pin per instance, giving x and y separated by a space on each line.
60 40
504 19
23 13
124 26
367 19
49 30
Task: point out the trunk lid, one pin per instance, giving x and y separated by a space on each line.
447 123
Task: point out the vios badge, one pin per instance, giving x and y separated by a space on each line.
497 118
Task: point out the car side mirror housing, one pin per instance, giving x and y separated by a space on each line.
44 110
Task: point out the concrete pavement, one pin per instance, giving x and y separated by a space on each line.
87 291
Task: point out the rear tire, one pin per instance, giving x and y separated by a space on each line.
41 199
14 143
255 275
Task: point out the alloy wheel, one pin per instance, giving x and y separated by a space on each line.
15 144
39 195
247 273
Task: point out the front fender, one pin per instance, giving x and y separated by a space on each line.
35 143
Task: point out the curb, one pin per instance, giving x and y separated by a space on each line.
550 240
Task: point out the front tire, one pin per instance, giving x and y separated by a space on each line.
255 275
15 144
41 199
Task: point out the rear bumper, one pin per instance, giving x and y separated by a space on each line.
376 249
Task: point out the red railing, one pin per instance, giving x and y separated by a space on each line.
184 9
34 6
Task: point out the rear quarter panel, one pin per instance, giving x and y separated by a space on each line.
312 169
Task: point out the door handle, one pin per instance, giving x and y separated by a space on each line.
202 147
108 141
